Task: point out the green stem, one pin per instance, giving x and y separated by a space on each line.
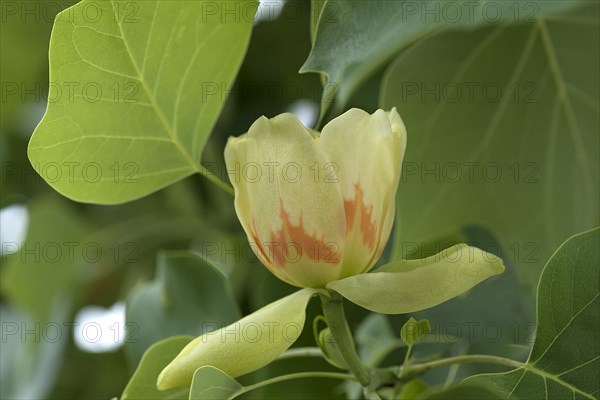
301 352
419 369
214 179
405 363
333 309
297 375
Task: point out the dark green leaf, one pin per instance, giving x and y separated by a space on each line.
189 296
375 338
355 38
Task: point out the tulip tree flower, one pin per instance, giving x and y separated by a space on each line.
325 209
318 211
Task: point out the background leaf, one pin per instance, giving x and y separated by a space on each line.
29 363
135 93
355 38
374 337
519 158
40 276
565 359
188 297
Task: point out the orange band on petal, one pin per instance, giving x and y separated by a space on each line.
295 240
368 227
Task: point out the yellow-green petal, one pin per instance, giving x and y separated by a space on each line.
244 346
402 287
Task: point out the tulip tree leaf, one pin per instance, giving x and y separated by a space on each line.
517 153
355 38
244 346
407 286
189 296
565 358
210 383
142 385
136 87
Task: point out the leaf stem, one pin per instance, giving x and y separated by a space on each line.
405 363
214 179
419 369
297 375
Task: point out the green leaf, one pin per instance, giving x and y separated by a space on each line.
375 338
142 385
355 38
210 383
43 274
413 330
514 160
136 88
244 346
407 286
565 358
189 296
